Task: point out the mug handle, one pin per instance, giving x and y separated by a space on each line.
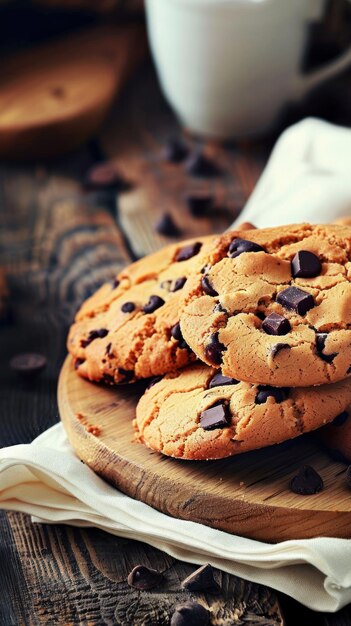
304 83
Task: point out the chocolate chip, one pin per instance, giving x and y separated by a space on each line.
320 345
94 334
128 375
214 349
190 614
28 364
207 287
307 482
176 333
217 416
115 283
238 246
295 299
278 347
178 284
105 176
265 391
153 381
166 226
340 420
127 307
202 580
108 349
305 264
154 303
199 205
348 476
275 324
218 380
188 251
78 363
144 578
175 150
199 165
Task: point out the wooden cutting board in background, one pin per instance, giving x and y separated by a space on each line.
246 495
54 97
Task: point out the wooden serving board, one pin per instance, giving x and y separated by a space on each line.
55 96
246 495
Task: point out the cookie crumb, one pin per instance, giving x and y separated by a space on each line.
94 429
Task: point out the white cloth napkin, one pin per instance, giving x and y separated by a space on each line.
307 178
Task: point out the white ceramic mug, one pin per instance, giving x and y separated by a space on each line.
227 67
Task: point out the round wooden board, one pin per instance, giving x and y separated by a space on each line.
246 495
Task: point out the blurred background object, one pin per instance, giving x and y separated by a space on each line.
95 6
55 96
60 73
60 76
229 69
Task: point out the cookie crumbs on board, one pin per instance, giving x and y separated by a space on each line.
93 429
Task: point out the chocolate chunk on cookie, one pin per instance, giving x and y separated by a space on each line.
216 416
188 251
239 246
296 299
214 350
305 264
292 281
123 332
185 416
275 324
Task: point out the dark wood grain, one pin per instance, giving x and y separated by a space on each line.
81 576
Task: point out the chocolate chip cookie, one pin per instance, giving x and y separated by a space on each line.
200 414
273 306
130 329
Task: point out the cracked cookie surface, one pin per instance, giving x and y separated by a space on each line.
130 329
182 415
273 306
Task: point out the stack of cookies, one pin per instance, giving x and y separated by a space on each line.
246 338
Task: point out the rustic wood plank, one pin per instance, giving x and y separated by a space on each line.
80 578
135 137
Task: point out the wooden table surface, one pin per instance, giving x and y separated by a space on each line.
58 243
